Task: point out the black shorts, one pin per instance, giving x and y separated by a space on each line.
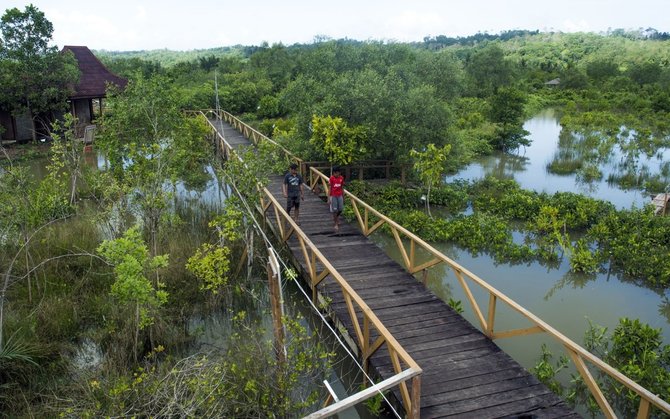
291 202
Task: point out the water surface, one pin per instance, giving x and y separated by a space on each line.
528 166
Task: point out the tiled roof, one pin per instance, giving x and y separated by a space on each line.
94 75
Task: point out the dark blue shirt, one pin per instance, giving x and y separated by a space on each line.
293 183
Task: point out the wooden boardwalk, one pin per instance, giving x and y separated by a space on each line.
660 202
465 373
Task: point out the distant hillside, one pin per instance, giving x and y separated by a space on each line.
168 58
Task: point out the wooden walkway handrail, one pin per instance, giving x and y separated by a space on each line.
576 352
404 365
366 214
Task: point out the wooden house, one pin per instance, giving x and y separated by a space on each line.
85 99
553 83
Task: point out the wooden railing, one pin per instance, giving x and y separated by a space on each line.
369 220
360 167
318 268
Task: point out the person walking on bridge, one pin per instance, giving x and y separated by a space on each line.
336 196
293 191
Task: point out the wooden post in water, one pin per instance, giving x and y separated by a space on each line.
276 304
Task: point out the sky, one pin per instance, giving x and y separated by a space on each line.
130 25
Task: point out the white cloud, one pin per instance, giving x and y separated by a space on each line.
412 25
149 24
576 26
79 28
140 13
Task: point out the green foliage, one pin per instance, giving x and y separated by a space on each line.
546 370
67 152
504 198
507 112
338 141
14 351
635 349
150 144
488 70
247 174
211 262
636 242
246 380
35 77
430 166
375 404
132 263
633 241
582 260
457 305
547 232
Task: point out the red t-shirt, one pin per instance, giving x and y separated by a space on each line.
336 186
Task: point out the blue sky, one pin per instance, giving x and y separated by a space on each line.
124 25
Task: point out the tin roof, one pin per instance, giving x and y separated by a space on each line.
94 75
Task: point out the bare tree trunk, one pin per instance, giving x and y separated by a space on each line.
5 285
73 187
137 330
3 293
428 202
30 289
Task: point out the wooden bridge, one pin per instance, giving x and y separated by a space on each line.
660 203
436 362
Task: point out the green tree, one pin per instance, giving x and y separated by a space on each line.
430 165
68 151
488 70
132 289
34 77
211 262
339 142
151 144
507 113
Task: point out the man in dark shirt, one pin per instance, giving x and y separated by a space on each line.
292 189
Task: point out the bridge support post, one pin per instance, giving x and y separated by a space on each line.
415 411
275 302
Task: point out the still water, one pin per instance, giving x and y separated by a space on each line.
195 204
529 165
565 300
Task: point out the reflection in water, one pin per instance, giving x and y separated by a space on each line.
576 280
664 308
565 300
603 166
505 165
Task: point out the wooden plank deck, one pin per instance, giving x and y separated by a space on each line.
660 201
465 373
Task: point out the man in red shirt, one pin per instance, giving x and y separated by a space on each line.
336 196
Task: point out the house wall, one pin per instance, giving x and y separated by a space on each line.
18 128
7 133
82 111
24 128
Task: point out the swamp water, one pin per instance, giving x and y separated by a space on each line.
212 330
552 145
566 301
